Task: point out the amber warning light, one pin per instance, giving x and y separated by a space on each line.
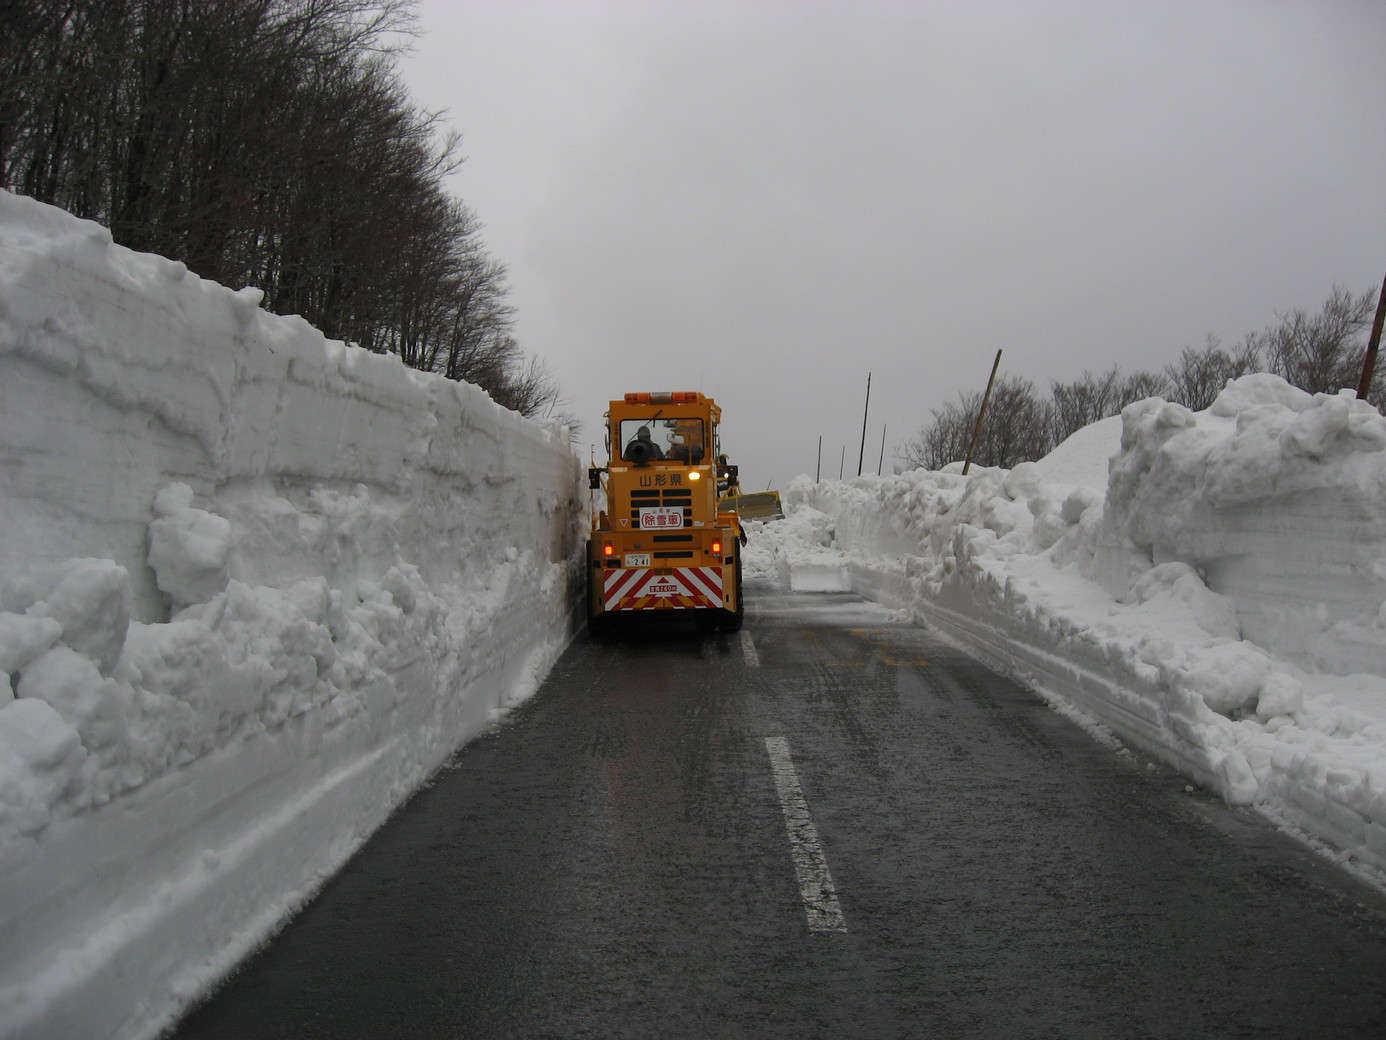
663 397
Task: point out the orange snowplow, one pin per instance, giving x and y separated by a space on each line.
661 542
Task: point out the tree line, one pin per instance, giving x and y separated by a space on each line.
1318 352
267 143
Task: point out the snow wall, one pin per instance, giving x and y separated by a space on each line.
1219 601
245 568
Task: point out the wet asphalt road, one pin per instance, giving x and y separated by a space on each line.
614 862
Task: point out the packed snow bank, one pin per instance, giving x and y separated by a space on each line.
1209 586
257 586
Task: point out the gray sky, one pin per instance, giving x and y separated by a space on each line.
766 200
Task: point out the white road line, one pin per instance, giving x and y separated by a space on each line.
748 650
815 883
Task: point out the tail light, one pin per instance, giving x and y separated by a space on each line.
716 548
608 549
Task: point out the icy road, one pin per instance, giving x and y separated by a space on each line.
829 825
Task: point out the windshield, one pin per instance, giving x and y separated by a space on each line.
675 439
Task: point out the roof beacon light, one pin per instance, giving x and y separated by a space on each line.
664 397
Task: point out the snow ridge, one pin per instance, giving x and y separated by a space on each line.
1208 587
245 568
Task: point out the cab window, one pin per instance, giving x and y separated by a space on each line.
664 439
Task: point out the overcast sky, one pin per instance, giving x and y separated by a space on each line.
768 200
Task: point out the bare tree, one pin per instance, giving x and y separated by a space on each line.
1138 386
1017 428
1084 401
477 343
945 438
530 391
1200 375
1320 353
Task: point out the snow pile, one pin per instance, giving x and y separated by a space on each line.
1215 594
256 587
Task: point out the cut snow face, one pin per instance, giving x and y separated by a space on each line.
1208 586
796 553
257 586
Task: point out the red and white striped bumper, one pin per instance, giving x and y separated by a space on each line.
640 588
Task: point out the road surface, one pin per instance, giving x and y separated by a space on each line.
831 824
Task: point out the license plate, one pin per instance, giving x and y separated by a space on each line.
637 559
655 518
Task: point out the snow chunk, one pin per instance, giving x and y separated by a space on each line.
90 600
1228 677
1334 423
23 638
188 548
39 756
76 690
1281 695
1179 585
823 572
1260 388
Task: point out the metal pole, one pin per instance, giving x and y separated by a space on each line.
1369 361
842 462
981 413
818 469
863 423
880 463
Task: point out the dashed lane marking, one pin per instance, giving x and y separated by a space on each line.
748 650
815 882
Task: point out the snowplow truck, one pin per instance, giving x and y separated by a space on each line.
660 543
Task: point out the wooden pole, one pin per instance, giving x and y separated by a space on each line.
1369 361
981 414
866 413
842 462
880 463
818 468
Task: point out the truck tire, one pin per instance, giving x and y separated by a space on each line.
599 625
731 620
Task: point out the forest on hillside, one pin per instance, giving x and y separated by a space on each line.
266 143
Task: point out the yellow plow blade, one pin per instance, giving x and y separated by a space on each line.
761 505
